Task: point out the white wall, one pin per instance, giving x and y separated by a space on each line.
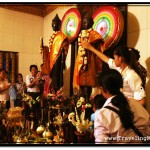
21 32
138 36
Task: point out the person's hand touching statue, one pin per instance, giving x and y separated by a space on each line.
85 44
88 46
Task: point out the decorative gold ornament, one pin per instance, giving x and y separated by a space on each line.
40 129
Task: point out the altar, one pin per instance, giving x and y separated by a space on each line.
61 120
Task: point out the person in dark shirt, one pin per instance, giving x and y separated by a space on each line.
21 88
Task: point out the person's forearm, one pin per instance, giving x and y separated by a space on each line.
5 88
100 54
32 84
88 46
142 101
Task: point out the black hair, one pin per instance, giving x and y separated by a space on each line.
129 58
111 81
138 66
99 101
123 51
19 74
33 66
136 52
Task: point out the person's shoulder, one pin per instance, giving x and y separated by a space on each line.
132 73
105 112
28 76
106 116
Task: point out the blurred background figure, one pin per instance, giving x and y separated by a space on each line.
21 88
98 103
32 82
4 89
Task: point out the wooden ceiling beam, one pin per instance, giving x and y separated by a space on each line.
35 9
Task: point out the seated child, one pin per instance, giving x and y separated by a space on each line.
98 103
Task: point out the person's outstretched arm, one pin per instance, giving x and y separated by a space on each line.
6 87
88 46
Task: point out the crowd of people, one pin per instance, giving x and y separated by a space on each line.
36 84
119 111
123 88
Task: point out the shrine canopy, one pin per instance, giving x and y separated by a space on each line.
109 22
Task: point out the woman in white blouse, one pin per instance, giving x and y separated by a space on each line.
4 88
111 127
124 63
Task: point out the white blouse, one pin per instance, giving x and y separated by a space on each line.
29 79
132 83
108 127
4 96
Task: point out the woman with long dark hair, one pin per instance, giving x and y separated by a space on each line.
21 88
124 61
111 126
140 68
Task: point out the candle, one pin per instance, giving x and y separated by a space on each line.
28 124
48 115
42 115
75 110
21 124
32 123
83 114
77 117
